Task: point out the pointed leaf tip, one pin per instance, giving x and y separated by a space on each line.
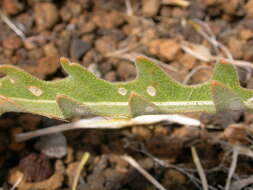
64 60
141 58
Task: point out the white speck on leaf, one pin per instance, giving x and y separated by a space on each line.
35 90
122 91
151 90
12 81
149 109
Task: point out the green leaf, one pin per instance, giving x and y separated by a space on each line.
82 93
139 106
225 99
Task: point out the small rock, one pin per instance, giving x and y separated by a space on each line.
126 71
88 38
249 8
236 47
232 8
78 48
87 27
75 8
105 44
150 7
110 76
54 146
187 61
89 57
106 66
8 52
65 14
48 65
12 42
236 133
246 34
46 15
50 50
174 179
36 167
35 54
107 20
142 132
201 76
21 54
12 7
52 183
164 48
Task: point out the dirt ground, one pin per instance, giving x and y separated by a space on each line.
104 36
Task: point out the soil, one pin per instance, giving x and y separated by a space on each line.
91 32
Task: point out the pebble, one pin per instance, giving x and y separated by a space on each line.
164 48
65 14
47 65
35 54
78 48
107 20
46 15
236 47
54 146
110 76
105 44
12 7
174 178
12 42
249 9
236 133
126 71
87 27
50 50
75 8
36 167
150 7
246 34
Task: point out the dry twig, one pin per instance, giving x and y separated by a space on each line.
150 178
83 161
103 123
232 167
238 185
199 168
12 25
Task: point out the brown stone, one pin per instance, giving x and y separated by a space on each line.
46 15
12 42
164 48
12 7
48 65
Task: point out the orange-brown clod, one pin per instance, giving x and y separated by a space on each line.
215 83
